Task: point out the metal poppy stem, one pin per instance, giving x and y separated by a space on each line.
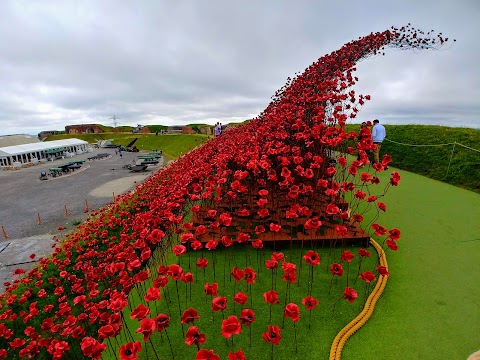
153 347
169 343
295 332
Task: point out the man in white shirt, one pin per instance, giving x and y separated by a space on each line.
378 135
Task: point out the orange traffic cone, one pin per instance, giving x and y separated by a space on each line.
40 222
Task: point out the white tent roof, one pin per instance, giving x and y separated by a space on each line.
40 146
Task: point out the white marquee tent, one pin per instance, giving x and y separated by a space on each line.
31 153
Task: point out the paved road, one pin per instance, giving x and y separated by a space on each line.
23 195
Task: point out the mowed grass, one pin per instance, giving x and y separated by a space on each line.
314 341
430 308
172 145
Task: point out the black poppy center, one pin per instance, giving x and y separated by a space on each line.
128 352
273 335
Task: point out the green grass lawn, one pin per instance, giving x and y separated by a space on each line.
172 145
430 308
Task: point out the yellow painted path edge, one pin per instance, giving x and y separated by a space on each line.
361 319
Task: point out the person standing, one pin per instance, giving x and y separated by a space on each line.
378 135
217 129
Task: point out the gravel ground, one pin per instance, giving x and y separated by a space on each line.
24 196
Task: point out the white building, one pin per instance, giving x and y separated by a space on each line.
18 155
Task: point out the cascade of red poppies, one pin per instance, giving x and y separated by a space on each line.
283 176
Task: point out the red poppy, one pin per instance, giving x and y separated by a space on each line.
259 229
92 348
219 303
187 277
364 253
247 316
382 206
341 230
211 245
271 264
237 274
394 234
349 294
250 275
367 276
175 271
275 227
162 322
196 245
189 316
226 241
272 335
382 270
211 289
236 356
258 244
194 337
392 245
231 326
278 256
312 258
130 351
379 230
202 263
179 250
292 311
147 327
152 294
240 298
206 355
336 269
347 256
107 331
140 312
242 237
310 302
271 297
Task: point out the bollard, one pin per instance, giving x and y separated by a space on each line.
66 211
86 206
40 222
4 233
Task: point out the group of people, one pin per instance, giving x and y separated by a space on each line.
377 135
218 129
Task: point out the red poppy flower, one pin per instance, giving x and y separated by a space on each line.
240 298
231 326
202 263
392 245
275 227
349 294
250 275
347 256
140 312
226 241
196 245
130 351
175 271
211 245
259 229
247 316
206 355
336 269
278 256
152 294
310 302
179 250
379 230
189 316
237 274
147 327
219 303
382 206
211 289
258 244
194 337
312 258
17 343
236 356
263 213
271 297
91 348
382 270
162 322
292 311
272 335
394 234
106 331
367 276
242 237
271 264
364 253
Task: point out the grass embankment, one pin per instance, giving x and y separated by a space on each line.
434 161
172 145
314 341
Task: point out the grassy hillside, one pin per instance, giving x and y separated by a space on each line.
172 145
433 161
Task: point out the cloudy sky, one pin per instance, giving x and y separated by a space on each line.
178 62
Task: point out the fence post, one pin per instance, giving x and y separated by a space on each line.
450 161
